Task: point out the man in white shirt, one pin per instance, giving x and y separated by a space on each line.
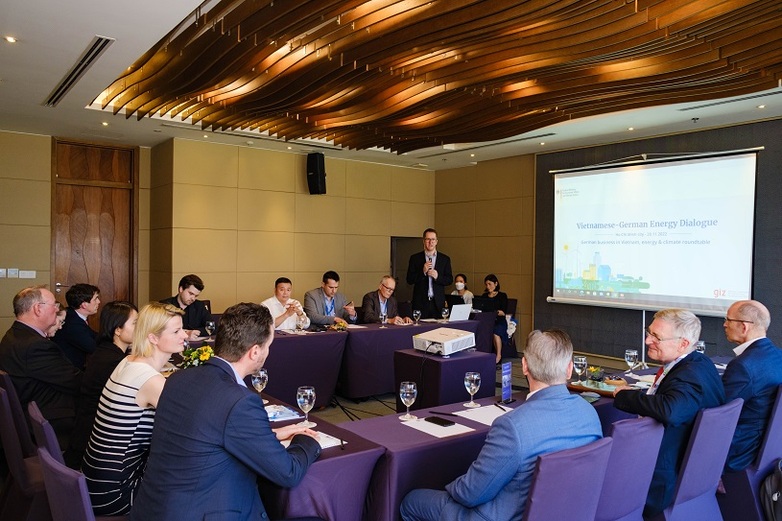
287 312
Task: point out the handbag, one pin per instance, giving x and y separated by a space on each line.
771 493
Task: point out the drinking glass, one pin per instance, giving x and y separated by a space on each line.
305 397
299 324
472 382
383 317
210 327
416 315
579 366
700 346
631 357
445 313
407 393
259 380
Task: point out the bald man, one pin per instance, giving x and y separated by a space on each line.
754 376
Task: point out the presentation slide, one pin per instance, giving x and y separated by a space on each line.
652 236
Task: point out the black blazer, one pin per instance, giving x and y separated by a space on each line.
76 338
370 308
196 314
420 282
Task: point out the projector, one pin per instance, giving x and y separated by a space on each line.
444 341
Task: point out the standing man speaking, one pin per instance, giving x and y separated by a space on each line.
429 272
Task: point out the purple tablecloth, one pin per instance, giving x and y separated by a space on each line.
441 380
414 459
368 361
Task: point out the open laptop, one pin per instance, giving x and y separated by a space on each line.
460 312
485 303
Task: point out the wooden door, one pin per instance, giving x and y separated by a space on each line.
94 220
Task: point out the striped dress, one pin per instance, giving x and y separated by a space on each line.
119 445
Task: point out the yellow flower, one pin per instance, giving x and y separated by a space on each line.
204 357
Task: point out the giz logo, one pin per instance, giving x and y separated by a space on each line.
719 293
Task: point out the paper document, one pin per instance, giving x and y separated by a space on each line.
485 415
325 440
281 413
436 430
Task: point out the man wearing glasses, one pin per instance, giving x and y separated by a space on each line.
38 368
686 383
429 272
754 376
382 303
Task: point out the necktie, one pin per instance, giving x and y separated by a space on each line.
657 377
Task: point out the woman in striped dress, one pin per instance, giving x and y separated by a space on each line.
117 451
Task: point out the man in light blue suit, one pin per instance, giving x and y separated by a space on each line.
551 419
212 437
754 376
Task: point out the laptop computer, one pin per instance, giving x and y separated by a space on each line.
460 312
485 303
454 300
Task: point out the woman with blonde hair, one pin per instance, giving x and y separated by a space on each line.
117 451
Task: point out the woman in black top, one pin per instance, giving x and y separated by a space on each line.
500 325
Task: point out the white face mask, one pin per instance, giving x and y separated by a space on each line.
460 286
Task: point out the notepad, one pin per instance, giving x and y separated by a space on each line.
281 413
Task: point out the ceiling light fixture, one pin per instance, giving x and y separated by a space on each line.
630 128
11 39
761 106
105 123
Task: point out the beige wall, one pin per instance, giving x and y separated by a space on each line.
240 217
485 222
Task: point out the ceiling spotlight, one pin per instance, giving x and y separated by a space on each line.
695 120
206 136
542 143
630 128
290 148
10 39
761 106
249 142
105 123
472 155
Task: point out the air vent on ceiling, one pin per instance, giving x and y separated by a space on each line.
94 50
733 100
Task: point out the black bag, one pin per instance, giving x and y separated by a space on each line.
771 494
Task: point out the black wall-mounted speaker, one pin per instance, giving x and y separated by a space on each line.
316 173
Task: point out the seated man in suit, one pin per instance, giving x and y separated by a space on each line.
325 306
37 365
380 302
76 338
207 453
754 376
497 484
686 383
196 312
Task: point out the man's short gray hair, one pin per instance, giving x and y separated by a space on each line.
685 324
26 299
548 354
755 312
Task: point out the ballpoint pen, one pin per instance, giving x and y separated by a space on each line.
503 409
444 413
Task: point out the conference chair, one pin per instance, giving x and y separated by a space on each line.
695 496
26 497
20 422
44 432
630 468
566 484
67 489
741 500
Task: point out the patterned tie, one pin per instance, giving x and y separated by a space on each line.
657 377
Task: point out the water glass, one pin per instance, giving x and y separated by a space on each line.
579 366
305 398
700 346
210 327
407 393
416 315
472 382
631 358
445 313
259 379
383 318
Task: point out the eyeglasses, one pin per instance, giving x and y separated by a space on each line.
55 304
657 338
389 289
738 320
430 240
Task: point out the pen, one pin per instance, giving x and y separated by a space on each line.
503 409
341 444
444 413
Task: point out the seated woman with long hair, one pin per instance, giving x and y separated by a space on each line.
119 445
500 324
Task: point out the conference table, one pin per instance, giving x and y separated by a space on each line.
368 360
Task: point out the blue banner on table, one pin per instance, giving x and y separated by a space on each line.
506 382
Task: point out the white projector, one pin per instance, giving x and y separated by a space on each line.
444 341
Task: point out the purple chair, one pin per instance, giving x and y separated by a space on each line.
26 497
631 463
741 499
566 484
44 433
695 496
20 422
67 489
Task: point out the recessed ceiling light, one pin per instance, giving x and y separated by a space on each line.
542 143
630 128
206 136
105 123
761 106
290 148
10 39
472 155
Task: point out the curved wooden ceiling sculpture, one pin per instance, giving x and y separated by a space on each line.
409 74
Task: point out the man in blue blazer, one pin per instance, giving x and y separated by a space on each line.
212 439
687 383
429 272
497 483
754 376
76 338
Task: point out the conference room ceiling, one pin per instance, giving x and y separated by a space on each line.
433 84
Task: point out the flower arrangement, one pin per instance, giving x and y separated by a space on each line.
194 356
338 326
595 373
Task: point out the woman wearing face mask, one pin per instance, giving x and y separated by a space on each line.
460 281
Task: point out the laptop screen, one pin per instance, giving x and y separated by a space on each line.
485 303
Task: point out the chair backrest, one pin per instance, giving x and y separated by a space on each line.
44 432
67 489
22 427
707 451
631 465
771 447
559 488
12 447
512 303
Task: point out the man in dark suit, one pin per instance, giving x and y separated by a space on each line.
37 366
754 376
686 383
380 302
429 272
76 338
325 306
209 448
196 313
